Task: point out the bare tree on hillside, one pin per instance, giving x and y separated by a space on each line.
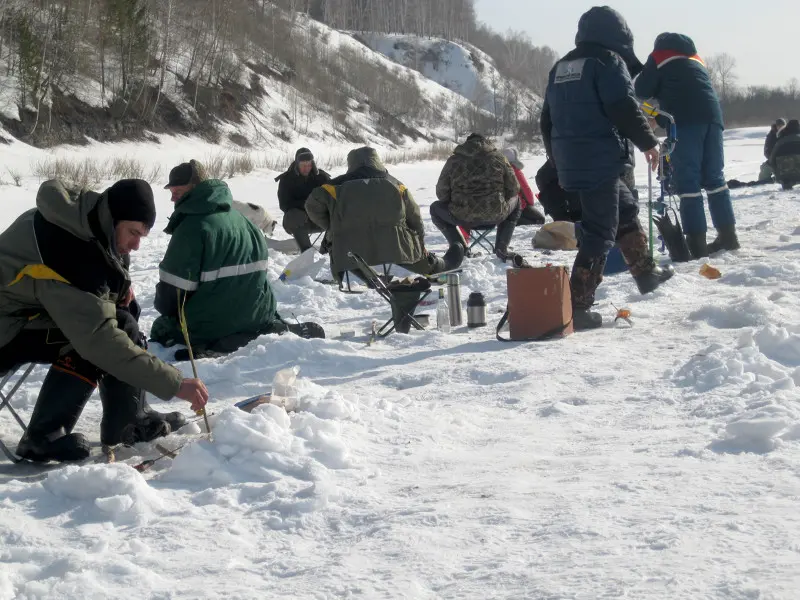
722 70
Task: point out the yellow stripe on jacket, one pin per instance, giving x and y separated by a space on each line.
330 189
38 272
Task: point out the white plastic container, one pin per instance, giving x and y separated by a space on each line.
284 390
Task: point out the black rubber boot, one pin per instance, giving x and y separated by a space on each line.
650 280
458 247
726 240
302 238
58 408
584 319
453 235
697 245
175 419
128 419
587 274
454 256
505 232
647 275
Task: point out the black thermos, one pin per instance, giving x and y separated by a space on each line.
476 310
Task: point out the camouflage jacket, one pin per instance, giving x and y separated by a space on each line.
785 159
477 183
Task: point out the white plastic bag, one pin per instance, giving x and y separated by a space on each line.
302 266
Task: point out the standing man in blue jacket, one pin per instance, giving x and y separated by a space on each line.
589 119
677 77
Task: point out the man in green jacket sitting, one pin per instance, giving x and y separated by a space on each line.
216 268
370 213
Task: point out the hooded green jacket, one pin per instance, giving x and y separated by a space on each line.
218 259
59 270
368 212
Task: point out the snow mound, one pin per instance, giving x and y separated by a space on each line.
324 404
750 311
262 454
752 387
266 445
763 274
276 459
271 460
118 490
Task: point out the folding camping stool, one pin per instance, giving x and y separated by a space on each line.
6 403
348 289
403 298
480 238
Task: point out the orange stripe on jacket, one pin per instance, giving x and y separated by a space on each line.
662 57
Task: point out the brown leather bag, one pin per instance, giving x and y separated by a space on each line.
539 304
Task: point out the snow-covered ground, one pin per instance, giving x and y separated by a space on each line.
651 462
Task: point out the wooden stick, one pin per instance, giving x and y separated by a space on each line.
185 331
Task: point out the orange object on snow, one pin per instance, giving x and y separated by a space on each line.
623 314
710 272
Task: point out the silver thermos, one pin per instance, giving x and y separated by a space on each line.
454 299
476 310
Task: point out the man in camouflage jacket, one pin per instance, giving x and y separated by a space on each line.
785 157
477 188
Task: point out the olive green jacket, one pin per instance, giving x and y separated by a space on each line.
33 294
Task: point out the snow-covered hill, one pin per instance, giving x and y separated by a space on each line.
338 91
458 66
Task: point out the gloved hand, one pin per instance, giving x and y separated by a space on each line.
307 330
324 246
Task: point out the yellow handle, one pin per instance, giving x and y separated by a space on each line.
649 109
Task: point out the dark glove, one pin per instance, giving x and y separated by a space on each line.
324 246
307 330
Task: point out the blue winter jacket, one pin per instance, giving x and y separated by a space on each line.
676 77
590 110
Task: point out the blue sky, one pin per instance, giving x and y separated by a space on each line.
764 37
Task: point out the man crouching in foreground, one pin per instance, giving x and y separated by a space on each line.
66 300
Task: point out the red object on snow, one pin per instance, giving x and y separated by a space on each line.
465 233
525 193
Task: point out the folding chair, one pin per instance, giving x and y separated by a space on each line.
480 238
6 403
387 270
402 297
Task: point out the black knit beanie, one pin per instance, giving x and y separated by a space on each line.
303 154
132 200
